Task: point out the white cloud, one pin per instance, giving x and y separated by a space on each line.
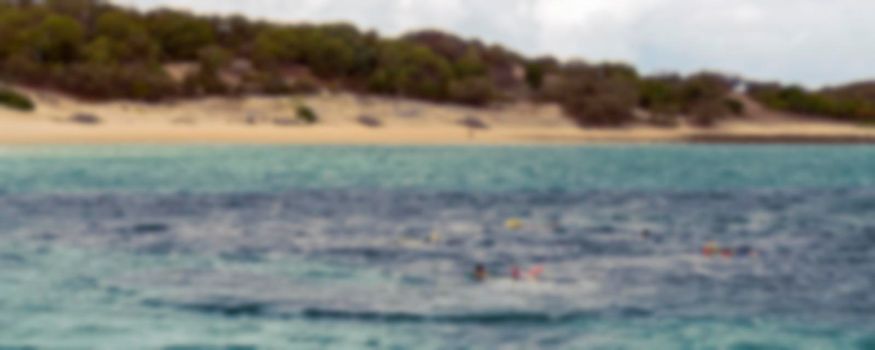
808 41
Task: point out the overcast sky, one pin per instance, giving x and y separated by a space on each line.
814 42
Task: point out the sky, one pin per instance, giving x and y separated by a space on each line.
810 42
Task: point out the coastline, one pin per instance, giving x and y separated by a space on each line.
269 120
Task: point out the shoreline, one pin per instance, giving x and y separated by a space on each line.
269 121
223 135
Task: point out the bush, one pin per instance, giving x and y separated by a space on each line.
845 103
472 91
735 106
706 114
15 100
535 76
138 82
703 97
599 96
411 70
599 111
661 94
307 115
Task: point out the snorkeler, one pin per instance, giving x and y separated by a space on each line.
480 273
532 274
712 249
746 250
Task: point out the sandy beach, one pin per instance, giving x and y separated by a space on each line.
271 120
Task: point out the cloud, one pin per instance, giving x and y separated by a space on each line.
808 41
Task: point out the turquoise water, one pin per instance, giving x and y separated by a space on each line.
209 247
260 169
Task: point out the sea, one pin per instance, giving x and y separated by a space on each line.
736 247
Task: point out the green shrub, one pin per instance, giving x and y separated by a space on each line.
14 100
307 115
735 106
835 104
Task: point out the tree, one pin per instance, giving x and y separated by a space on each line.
662 94
100 51
275 45
446 45
58 39
600 96
207 79
83 11
470 65
13 25
358 55
181 35
326 54
411 70
127 36
537 70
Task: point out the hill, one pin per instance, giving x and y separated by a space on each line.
98 51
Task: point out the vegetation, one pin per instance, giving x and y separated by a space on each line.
306 115
14 100
701 98
602 95
854 102
96 50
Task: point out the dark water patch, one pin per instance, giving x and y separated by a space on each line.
246 254
866 343
8 259
222 307
253 309
211 347
486 318
322 341
149 228
758 346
